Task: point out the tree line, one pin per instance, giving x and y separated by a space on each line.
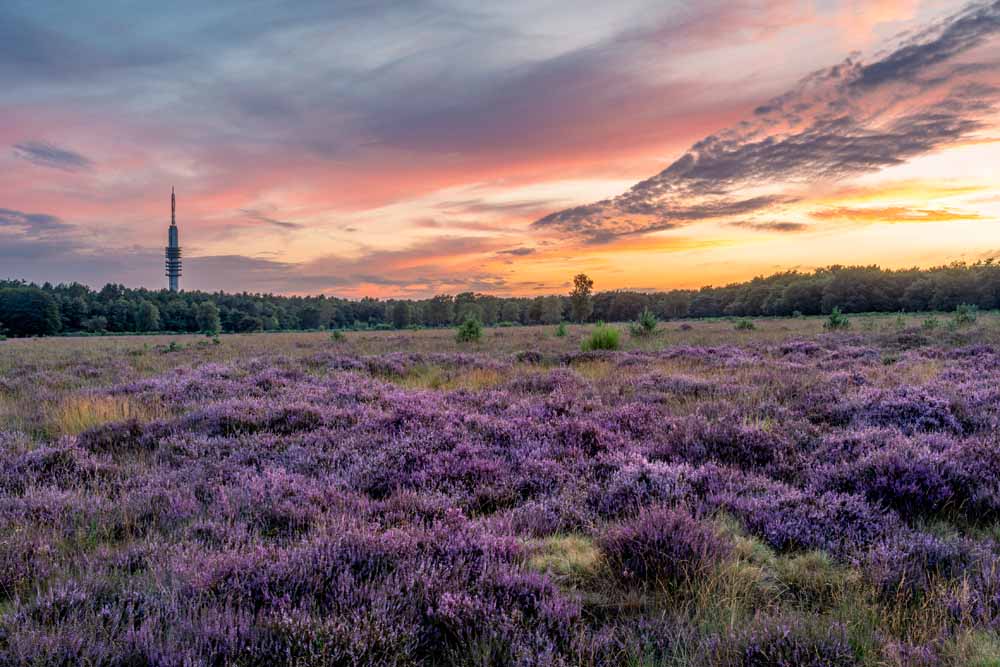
29 309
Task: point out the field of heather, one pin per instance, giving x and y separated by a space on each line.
775 496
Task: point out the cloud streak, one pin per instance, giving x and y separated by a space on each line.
257 216
45 154
839 122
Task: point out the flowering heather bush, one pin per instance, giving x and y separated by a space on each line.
789 643
910 409
664 547
907 566
384 499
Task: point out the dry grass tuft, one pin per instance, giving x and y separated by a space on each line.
572 557
76 413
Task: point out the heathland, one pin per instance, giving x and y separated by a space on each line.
713 492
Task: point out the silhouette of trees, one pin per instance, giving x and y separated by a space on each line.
30 310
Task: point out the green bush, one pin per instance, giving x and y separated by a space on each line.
337 336
645 325
602 338
836 321
561 330
470 331
745 325
930 323
965 313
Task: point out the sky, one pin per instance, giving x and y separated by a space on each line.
405 149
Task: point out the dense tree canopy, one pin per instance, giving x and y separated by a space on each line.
29 310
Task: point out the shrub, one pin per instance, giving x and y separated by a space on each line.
930 324
965 314
470 331
790 643
601 338
663 546
337 336
744 325
836 321
645 325
561 330
910 409
904 568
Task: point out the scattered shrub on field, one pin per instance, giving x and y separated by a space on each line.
930 324
337 336
664 547
744 325
645 325
528 357
470 331
836 321
561 330
604 337
965 314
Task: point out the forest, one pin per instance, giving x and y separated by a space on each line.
32 310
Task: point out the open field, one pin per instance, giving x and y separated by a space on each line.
705 496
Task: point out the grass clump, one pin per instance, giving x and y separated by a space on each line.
573 557
561 330
977 649
76 414
744 325
470 331
837 321
602 338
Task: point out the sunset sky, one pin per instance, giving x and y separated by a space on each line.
413 148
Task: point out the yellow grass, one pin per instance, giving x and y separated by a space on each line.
435 377
75 414
568 556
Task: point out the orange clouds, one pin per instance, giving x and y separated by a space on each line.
893 214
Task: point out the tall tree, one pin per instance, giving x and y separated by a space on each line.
581 302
